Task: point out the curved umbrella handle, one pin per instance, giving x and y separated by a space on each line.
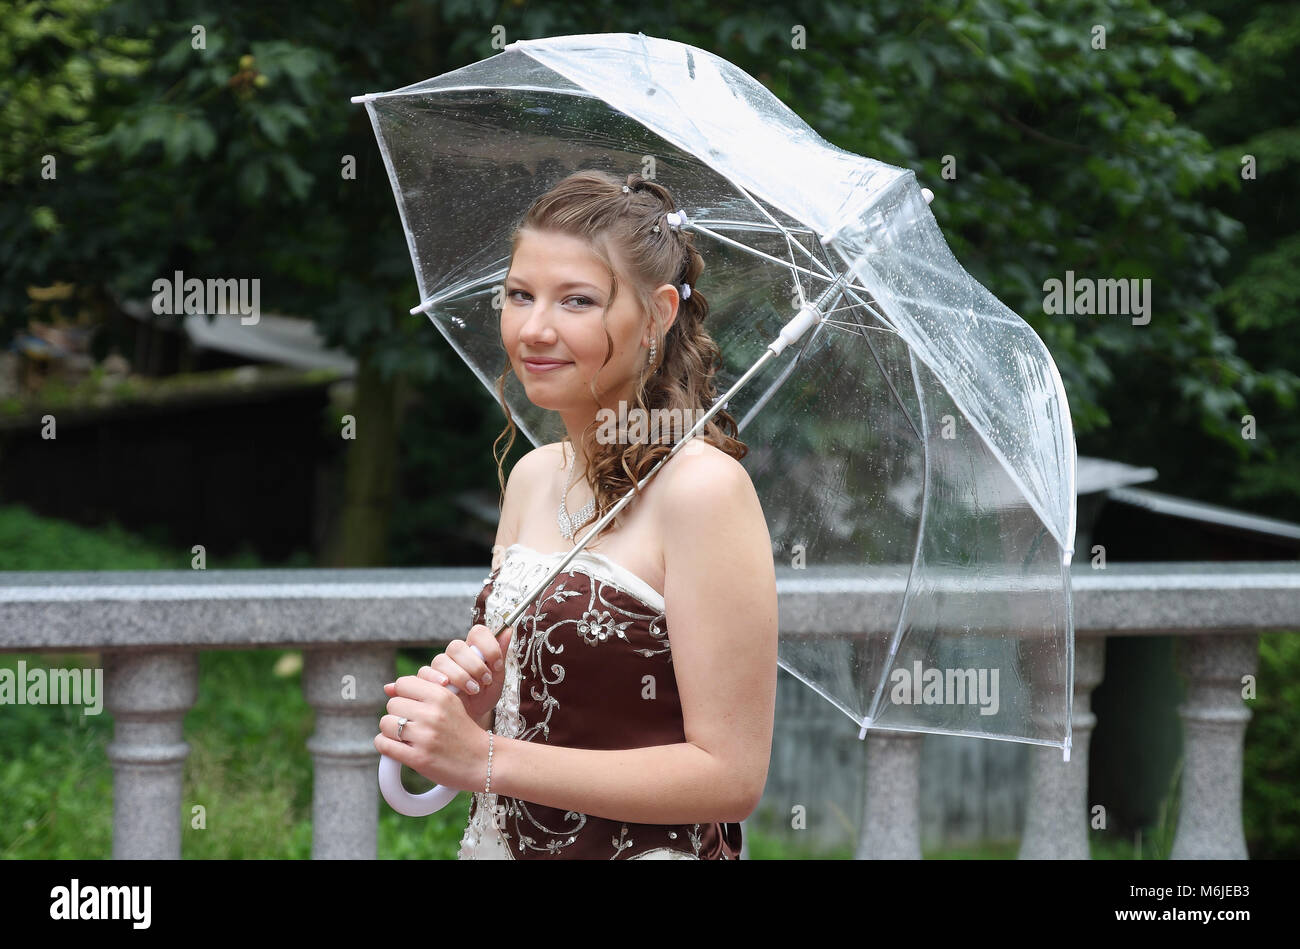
402 800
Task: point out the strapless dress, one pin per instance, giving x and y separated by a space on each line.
589 666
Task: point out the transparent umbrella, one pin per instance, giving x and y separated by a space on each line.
905 427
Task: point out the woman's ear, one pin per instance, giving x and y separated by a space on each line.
669 301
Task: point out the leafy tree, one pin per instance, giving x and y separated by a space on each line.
1068 156
1260 299
1047 150
215 143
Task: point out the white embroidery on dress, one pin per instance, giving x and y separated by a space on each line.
619 845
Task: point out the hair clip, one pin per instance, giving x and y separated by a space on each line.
626 189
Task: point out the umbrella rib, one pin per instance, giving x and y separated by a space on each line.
859 330
754 225
411 90
424 305
874 308
789 242
785 373
829 278
888 381
896 640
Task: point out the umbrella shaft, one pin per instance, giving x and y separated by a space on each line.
809 314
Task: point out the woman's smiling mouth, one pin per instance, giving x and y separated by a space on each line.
541 364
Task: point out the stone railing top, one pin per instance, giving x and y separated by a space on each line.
402 606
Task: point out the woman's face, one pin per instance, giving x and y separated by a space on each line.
557 291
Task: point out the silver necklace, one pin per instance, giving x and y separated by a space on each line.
569 524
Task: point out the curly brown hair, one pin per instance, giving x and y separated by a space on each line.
593 206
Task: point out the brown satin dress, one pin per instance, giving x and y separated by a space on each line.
590 666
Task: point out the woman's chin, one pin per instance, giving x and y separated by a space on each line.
554 395
544 397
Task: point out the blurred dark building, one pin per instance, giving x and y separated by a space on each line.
226 460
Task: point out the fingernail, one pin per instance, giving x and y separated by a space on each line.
501 664
390 685
472 686
487 678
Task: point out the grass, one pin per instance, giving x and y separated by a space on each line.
247 784
31 542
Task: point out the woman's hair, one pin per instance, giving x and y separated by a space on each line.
592 205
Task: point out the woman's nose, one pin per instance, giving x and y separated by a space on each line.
538 327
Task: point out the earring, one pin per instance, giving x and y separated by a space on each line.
652 350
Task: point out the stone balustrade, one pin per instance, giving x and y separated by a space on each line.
151 625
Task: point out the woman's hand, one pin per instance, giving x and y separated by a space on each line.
460 666
439 739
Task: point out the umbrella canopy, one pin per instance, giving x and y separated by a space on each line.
919 435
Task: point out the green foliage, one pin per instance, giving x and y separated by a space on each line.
53 777
1114 162
1261 50
217 161
51 60
1271 771
248 768
31 542
446 440
1070 157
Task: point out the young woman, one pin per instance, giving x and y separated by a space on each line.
632 705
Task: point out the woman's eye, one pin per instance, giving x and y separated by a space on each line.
576 300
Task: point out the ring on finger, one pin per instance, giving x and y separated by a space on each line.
402 723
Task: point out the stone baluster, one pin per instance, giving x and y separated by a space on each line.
148 694
1056 817
346 689
891 825
1214 728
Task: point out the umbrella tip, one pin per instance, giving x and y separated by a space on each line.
862 733
927 194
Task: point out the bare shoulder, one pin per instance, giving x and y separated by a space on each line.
528 475
541 461
714 535
701 461
533 470
704 485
